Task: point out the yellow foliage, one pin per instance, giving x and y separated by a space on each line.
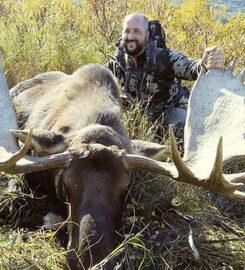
194 27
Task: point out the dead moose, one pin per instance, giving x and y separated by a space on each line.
74 125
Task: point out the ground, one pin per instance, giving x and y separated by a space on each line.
203 230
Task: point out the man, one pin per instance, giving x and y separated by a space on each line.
152 75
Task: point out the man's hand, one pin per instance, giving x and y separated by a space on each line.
213 58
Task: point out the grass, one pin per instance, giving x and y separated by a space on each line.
218 234
24 249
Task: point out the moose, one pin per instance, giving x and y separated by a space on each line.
82 155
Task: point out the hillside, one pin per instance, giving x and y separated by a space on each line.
233 6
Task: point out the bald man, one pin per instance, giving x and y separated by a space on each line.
157 87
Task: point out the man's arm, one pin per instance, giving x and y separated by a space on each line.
188 69
184 67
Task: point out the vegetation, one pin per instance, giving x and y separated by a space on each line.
42 35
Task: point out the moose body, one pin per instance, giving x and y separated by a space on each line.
80 140
68 111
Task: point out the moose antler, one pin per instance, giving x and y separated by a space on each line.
214 135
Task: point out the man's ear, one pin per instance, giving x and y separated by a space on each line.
147 35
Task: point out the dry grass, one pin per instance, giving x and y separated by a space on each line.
24 249
217 225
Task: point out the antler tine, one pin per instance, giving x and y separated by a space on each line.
216 181
184 172
243 75
217 171
226 185
235 177
238 195
18 155
231 67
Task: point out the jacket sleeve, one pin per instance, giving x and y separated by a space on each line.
184 67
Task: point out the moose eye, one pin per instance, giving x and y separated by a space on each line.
65 129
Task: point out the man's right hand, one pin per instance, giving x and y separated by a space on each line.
213 57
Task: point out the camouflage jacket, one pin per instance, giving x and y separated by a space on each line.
161 85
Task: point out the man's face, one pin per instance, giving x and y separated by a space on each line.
134 36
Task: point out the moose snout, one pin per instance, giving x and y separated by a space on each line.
92 240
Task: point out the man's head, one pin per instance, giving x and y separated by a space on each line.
135 33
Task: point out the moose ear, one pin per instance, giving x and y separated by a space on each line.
60 186
44 142
151 150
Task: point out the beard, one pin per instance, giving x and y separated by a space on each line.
139 47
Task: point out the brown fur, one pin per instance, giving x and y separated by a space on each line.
85 108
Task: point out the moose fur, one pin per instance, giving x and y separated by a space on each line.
66 112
